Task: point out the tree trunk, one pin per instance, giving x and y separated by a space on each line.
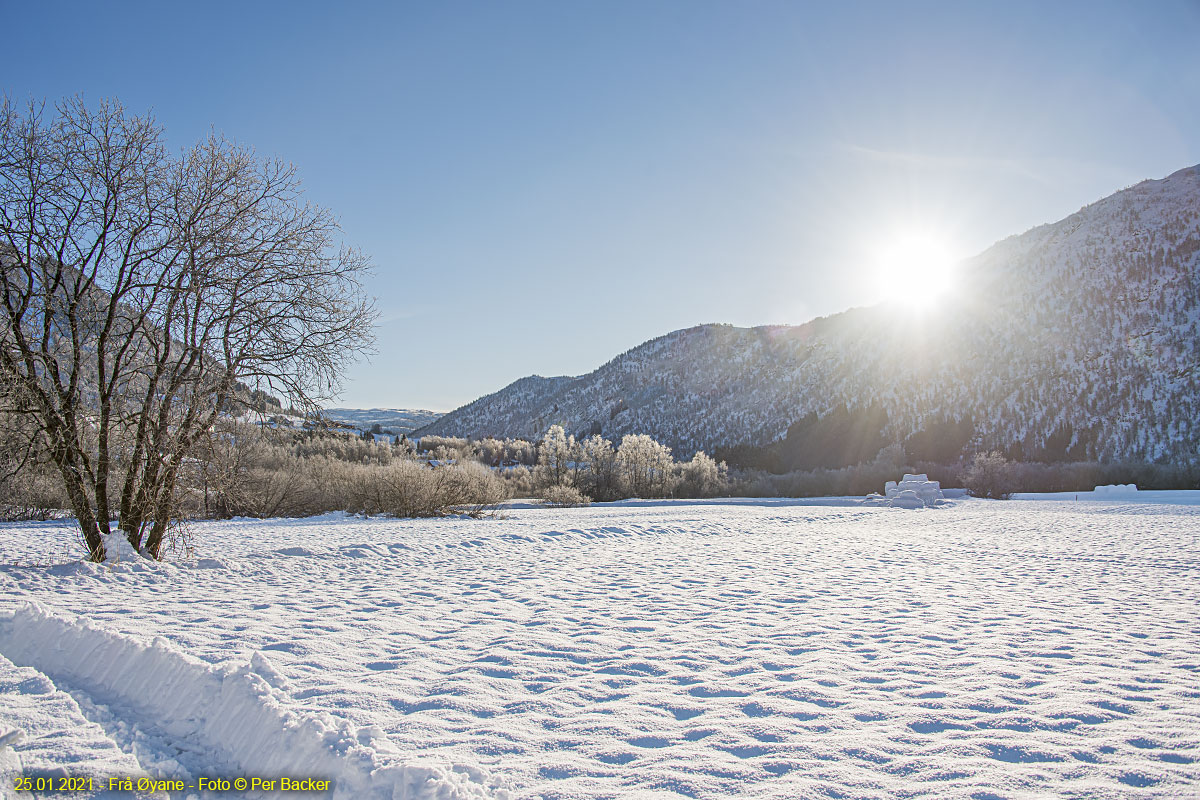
82 507
162 515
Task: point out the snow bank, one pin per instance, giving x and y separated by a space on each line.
1117 488
234 711
10 765
43 733
1141 497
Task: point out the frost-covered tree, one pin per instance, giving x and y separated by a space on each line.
990 475
647 469
521 450
702 477
555 458
490 451
601 480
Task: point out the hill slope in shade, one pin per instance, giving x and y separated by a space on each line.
1078 339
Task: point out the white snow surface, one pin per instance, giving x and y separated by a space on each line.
674 649
226 718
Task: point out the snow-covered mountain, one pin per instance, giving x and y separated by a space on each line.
397 420
509 409
1078 339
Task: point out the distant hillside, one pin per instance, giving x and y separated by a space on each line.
1079 339
398 420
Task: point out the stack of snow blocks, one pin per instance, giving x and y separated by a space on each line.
914 491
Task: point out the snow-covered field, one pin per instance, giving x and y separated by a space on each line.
704 650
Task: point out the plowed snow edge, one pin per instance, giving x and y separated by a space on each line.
233 710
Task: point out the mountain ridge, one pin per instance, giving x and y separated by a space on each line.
1077 338
397 420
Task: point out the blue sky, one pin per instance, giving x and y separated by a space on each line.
542 185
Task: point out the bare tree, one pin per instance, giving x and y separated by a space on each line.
602 478
140 287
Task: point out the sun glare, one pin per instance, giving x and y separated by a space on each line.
916 270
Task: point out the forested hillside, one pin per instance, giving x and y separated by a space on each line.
1075 340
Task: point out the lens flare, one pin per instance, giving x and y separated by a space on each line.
916 270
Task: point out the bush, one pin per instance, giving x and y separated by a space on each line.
565 497
847 481
30 487
32 493
412 489
247 473
991 475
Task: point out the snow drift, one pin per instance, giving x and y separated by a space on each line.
236 711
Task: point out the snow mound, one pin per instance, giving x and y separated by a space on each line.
235 711
1117 488
117 549
912 491
295 551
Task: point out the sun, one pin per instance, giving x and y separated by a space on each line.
916 270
